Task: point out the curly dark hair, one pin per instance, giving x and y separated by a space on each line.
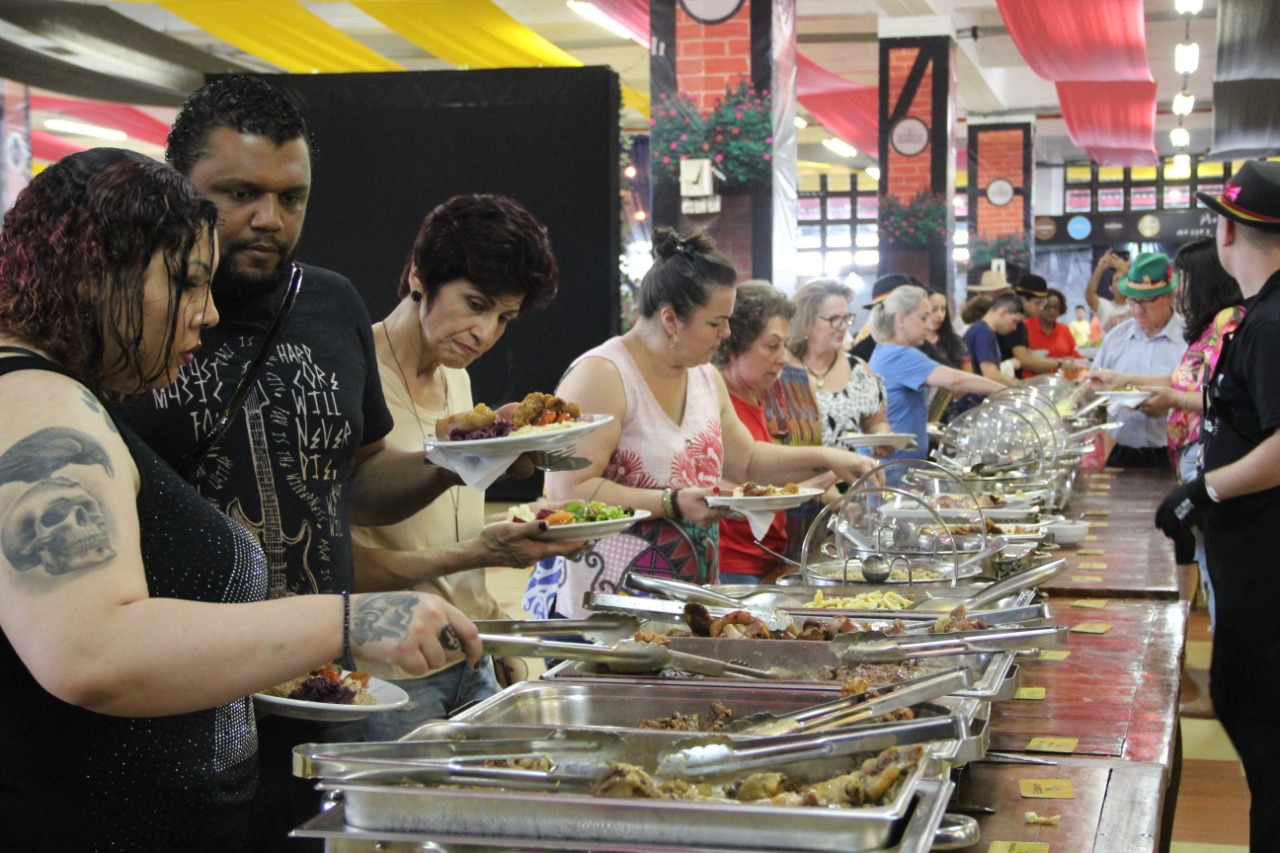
491 241
756 304
243 102
683 272
74 252
1206 288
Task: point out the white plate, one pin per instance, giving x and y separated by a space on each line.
388 695
1128 399
764 503
591 530
551 440
892 439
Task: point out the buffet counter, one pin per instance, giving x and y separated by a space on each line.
1113 697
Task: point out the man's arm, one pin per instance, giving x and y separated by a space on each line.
991 370
1031 361
1256 471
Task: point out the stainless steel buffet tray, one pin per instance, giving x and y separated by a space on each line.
995 674
623 706
496 813
928 827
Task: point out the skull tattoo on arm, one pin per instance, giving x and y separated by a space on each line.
56 523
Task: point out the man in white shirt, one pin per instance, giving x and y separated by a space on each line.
1114 311
1148 344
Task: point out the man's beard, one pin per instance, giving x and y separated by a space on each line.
233 283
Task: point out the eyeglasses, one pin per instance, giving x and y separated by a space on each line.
1146 303
839 321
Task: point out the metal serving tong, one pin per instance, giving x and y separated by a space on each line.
622 656
715 755
605 628
874 647
855 708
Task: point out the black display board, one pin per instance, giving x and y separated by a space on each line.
389 147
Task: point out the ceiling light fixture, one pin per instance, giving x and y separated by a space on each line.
801 124
1186 57
873 172
593 14
839 147
1183 103
1188 7
58 125
1180 137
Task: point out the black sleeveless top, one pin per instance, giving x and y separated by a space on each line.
72 779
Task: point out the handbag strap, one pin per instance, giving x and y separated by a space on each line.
250 377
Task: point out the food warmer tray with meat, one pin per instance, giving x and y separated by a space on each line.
564 819
928 828
623 706
995 673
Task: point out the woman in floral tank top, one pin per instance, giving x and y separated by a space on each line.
675 434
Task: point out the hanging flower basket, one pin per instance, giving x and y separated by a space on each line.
922 222
1012 247
736 135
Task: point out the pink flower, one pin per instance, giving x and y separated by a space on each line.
766 156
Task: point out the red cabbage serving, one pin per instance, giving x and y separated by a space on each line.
498 429
317 688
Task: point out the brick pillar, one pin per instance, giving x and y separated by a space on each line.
701 59
917 145
1001 177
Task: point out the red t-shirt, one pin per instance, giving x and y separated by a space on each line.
739 553
1060 344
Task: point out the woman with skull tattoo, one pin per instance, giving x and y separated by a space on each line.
134 624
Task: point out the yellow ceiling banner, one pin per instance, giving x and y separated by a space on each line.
476 34
281 32
468 33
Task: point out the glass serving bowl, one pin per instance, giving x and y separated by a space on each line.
995 443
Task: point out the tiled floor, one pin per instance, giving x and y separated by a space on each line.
1213 802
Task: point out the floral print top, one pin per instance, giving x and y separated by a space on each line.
654 452
1194 372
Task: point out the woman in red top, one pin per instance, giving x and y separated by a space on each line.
1046 333
750 360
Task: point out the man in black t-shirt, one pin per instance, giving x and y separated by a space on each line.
1237 498
1034 291
304 456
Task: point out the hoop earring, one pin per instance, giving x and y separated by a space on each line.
415 295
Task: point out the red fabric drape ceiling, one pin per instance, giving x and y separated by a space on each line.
849 110
1080 40
49 148
1115 122
1096 51
132 121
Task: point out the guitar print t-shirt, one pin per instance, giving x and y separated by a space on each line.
283 466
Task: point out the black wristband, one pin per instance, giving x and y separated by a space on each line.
346 626
675 504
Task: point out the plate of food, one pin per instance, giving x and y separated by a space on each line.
898 440
331 694
586 520
751 497
1130 396
539 422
